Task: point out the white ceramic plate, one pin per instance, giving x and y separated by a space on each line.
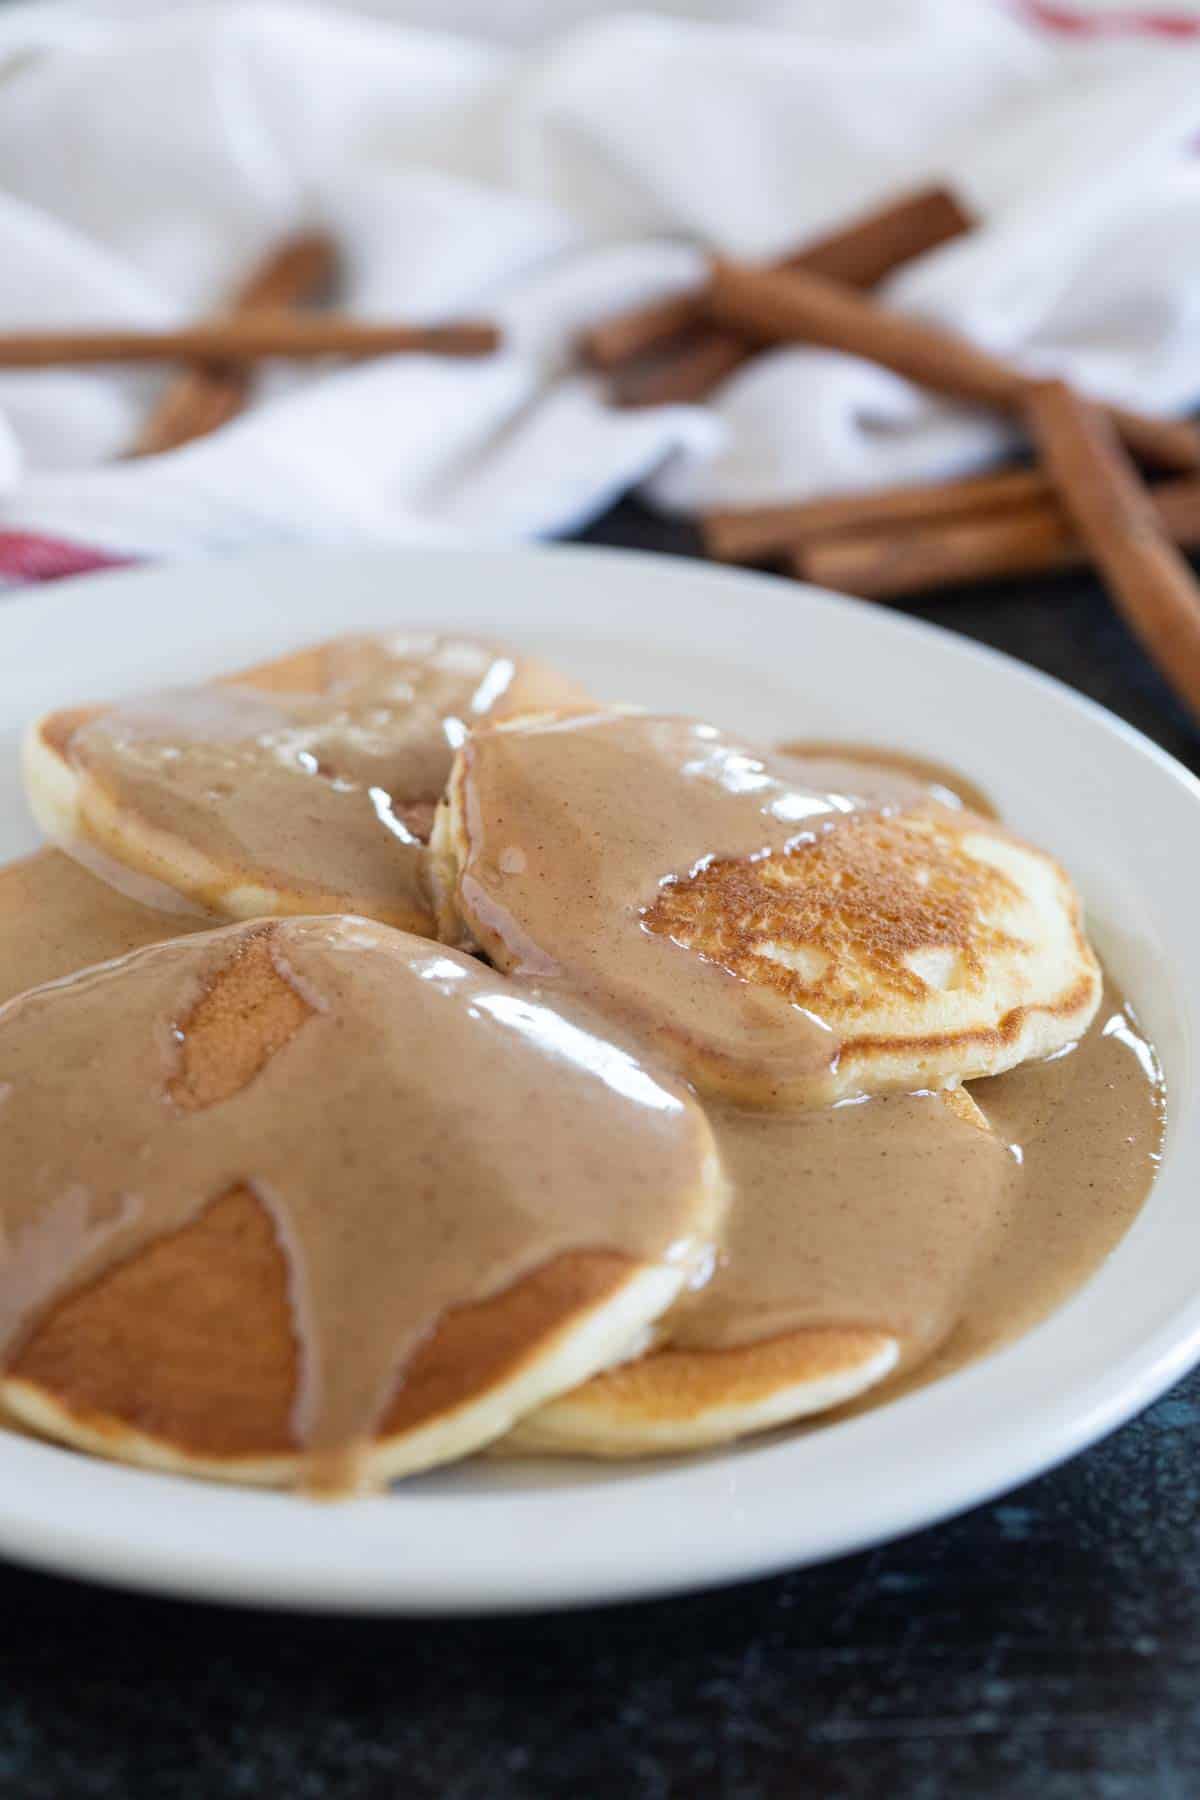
771 659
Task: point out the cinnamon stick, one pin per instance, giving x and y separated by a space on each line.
755 534
860 254
205 397
682 375
1150 582
1031 539
799 307
617 340
244 339
863 252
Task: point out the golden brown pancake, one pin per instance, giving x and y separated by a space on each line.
850 1244
307 786
278 1206
785 931
673 1400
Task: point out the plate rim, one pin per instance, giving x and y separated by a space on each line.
34 599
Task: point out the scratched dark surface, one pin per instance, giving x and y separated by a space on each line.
1045 1646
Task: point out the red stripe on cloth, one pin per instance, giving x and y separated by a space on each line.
1079 23
26 556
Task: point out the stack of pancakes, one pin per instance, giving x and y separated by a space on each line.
333 1202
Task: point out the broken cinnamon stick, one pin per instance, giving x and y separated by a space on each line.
755 534
860 254
205 397
243 340
799 307
1030 539
1150 582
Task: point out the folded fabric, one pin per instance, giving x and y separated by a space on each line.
150 153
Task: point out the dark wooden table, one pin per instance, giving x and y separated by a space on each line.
1045 1646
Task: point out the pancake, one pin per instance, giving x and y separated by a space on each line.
307 786
783 931
55 919
672 1401
314 1200
831 1278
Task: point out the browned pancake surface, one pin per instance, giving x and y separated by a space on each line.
833 924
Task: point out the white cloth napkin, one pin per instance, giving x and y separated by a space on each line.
149 152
